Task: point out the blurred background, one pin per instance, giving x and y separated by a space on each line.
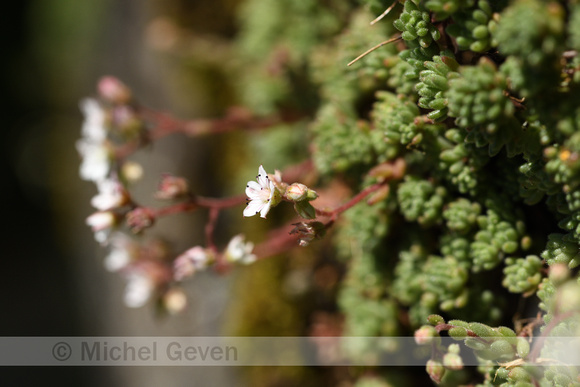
173 55
54 282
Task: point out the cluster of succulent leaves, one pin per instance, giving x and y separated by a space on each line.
481 101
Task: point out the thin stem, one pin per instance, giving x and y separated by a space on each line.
557 319
210 228
164 125
384 13
278 241
374 48
353 201
175 209
220 203
197 202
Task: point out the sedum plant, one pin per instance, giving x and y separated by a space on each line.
440 170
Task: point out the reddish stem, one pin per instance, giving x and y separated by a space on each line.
557 319
197 202
278 241
164 125
220 203
210 227
175 209
353 201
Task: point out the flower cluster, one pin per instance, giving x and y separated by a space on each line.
444 161
113 128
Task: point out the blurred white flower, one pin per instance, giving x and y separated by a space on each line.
111 195
240 251
194 259
123 251
261 195
101 220
101 223
96 160
94 126
93 146
138 290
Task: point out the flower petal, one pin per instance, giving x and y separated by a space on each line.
254 207
265 210
263 179
252 189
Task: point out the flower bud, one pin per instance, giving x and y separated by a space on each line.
559 273
139 219
132 171
298 192
568 297
435 319
171 187
435 370
174 301
113 90
453 361
425 334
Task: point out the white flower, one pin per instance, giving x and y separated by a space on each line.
240 251
101 223
138 290
123 251
111 195
117 259
93 146
94 126
101 220
261 195
189 262
96 161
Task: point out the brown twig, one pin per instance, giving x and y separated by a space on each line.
396 38
382 15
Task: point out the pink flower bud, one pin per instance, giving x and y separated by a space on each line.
171 187
435 370
453 361
296 192
139 219
113 90
425 335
